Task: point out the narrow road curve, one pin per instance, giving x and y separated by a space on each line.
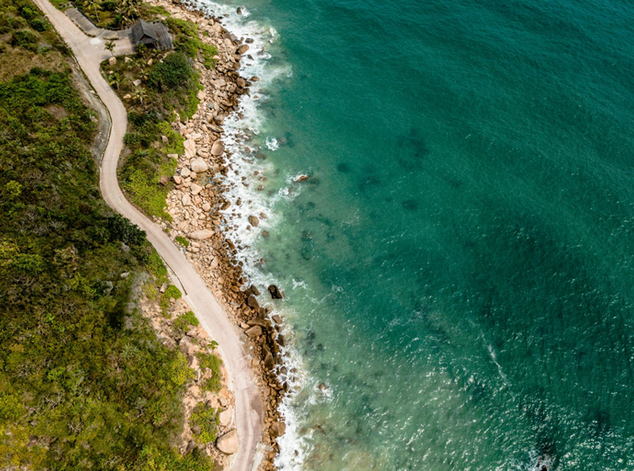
90 52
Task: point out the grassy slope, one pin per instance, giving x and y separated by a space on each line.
84 384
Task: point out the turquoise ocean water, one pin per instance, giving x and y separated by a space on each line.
459 268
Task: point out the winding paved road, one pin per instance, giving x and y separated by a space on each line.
90 52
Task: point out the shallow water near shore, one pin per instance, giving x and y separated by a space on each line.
458 268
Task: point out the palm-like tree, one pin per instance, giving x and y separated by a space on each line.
139 95
128 10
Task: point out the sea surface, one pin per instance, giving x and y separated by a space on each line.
459 267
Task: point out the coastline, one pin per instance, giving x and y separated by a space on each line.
195 205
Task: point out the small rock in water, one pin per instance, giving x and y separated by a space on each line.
302 178
254 221
275 292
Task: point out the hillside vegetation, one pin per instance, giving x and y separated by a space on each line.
84 381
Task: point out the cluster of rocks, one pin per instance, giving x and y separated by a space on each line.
191 343
195 205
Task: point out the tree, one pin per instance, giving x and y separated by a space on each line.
128 10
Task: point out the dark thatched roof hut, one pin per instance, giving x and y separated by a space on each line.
151 35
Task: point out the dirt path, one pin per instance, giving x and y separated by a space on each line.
90 52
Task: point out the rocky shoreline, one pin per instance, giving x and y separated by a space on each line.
195 205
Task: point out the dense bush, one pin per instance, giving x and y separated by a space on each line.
211 361
185 320
24 38
174 72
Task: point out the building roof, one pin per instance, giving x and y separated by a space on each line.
155 34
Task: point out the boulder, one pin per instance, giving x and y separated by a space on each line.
254 221
195 189
254 331
278 428
217 149
302 178
112 61
199 165
252 302
269 361
275 292
225 417
242 49
202 234
228 443
186 345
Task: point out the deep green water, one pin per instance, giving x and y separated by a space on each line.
459 268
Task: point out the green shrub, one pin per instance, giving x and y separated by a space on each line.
183 321
156 267
172 292
174 140
182 240
38 24
206 418
174 72
24 38
211 361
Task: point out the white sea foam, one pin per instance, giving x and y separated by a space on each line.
245 184
272 144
